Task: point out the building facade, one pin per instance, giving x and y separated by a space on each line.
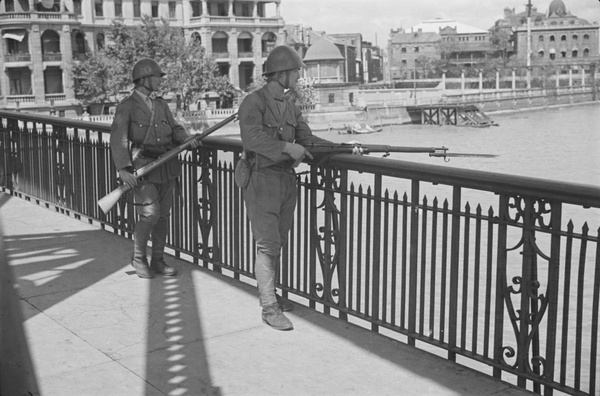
557 36
41 39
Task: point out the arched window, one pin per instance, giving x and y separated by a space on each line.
245 40
541 38
268 42
540 53
575 37
586 36
50 42
574 54
219 42
196 38
586 53
79 42
552 38
563 37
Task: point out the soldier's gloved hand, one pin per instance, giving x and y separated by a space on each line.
357 149
128 178
195 142
297 152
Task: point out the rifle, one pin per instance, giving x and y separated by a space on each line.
356 148
107 202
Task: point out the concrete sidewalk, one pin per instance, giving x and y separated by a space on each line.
95 328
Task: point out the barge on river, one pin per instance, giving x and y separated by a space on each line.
458 115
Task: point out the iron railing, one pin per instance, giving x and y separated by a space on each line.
502 270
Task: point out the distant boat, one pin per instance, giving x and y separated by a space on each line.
471 116
360 128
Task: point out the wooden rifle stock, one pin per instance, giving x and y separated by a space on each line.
107 202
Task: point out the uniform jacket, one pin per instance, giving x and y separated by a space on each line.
264 130
132 120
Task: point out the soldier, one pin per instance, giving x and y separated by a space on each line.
144 123
273 131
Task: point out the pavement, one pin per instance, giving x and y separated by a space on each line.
94 328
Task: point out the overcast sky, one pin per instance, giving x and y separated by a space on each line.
377 17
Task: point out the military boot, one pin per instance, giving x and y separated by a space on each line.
141 267
274 317
160 267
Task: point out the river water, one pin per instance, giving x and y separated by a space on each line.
561 144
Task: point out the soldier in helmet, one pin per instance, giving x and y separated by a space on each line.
273 132
144 125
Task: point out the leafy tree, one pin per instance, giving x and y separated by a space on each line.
104 75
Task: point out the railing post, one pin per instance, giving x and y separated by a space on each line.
376 252
454 258
500 284
413 263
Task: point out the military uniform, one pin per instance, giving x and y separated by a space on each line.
153 196
267 123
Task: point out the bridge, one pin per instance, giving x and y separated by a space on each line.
389 263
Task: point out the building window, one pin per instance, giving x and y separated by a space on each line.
9 5
403 49
563 38
551 38
154 9
575 37
416 49
552 56
19 81
574 54
540 54
541 38
77 7
404 63
196 8
196 38
586 53
118 8
222 9
172 12
100 41
98 9
137 12
563 54
586 36
53 80
331 98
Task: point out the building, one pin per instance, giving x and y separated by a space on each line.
41 38
557 37
411 51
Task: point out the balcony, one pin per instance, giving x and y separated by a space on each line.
52 57
246 55
21 57
14 99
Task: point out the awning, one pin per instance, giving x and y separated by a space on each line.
552 51
18 35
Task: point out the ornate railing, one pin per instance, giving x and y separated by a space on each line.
502 270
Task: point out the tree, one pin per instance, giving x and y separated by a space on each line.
104 75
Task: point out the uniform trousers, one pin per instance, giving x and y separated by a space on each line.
153 205
270 199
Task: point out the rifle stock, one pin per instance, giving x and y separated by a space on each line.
107 202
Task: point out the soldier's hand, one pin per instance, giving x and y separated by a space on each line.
195 142
128 178
297 152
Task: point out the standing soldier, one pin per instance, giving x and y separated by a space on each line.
144 123
273 132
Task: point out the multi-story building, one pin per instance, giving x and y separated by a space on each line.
460 44
41 38
557 37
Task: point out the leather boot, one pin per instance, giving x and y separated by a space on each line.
141 267
272 315
160 267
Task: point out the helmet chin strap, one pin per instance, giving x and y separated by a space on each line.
287 80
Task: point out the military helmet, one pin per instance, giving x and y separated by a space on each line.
146 67
283 58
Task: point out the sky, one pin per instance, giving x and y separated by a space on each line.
375 18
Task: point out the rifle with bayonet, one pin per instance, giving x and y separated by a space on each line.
107 202
328 149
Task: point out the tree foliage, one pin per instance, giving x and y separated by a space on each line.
105 74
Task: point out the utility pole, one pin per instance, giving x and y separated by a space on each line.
529 44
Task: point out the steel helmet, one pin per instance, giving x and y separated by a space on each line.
283 58
146 67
